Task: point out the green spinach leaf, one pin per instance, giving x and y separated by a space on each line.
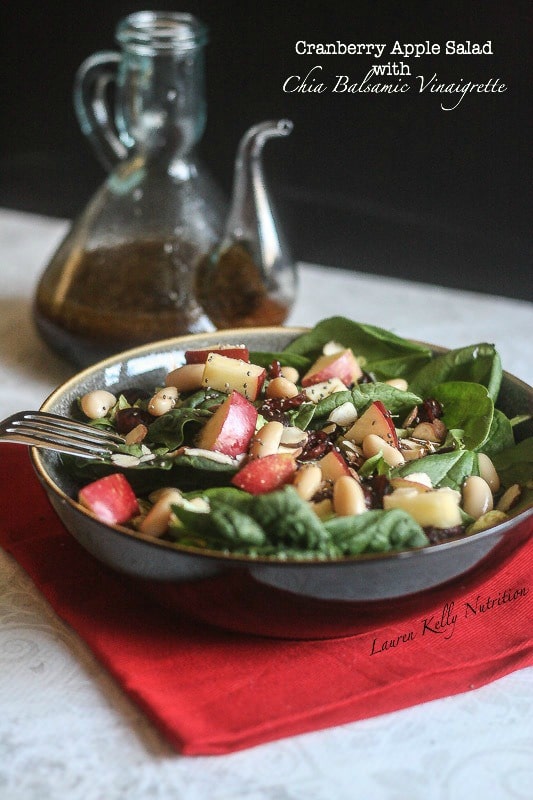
378 350
500 435
375 532
444 469
466 406
478 363
169 429
515 464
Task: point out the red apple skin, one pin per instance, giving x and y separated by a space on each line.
230 351
111 499
231 427
266 474
341 365
333 466
376 419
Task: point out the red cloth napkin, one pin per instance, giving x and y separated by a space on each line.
210 691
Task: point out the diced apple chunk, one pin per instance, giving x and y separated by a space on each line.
438 508
377 420
341 364
229 350
231 427
265 474
111 499
226 374
333 466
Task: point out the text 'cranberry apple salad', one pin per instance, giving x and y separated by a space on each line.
351 440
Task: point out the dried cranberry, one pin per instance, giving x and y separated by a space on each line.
325 493
274 408
438 535
134 394
128 418
429 410
317 445
274 370
375 489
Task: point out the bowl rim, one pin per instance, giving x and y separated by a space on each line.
233 558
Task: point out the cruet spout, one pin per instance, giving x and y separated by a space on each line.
252 216
250 279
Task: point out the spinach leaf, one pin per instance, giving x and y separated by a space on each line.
204 399
224 527
301 417
444 469
375 532
280 524
500 435
378 350
478 363
375 465
289 520
515 464
466 406
169 429
396 400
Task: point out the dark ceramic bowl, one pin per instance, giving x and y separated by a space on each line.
285 599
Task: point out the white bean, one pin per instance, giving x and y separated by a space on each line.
156 521
281 388
164 400
97 403
373 444
348 497
290 373
477 496
266 440
307 481
488 472
187 378
398 383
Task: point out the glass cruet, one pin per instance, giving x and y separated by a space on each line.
125 273
249 278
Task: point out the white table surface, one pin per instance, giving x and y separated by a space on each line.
66 729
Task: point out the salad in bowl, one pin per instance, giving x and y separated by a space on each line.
346 442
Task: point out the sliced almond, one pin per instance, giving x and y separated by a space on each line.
332 347
344 415
292 436
212 455
509 498
136 435
318 391
125 460
426 432
405 483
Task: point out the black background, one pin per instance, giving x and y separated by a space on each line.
390 185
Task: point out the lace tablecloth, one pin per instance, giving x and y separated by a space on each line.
66 730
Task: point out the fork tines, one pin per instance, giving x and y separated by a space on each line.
51 431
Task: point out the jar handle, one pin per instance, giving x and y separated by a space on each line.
92 106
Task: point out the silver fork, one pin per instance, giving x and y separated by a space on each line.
53 432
